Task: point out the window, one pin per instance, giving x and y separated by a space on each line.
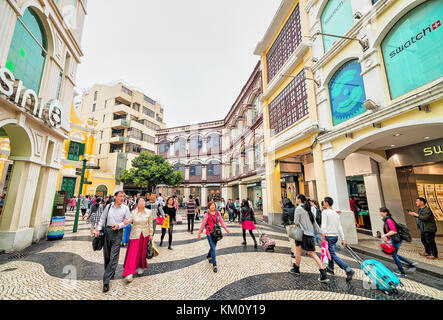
127 91
147 138
59 85
115 148
133 148
147 99
27 54
75 150
104 116
255 109
195 169
284 46
93 107
135 133
95 95
100 149
148 112
180 146
213 168
179 167
164 146
159 119
213 143
117 116
195 145
136 106
151 125
337 19
289 106
258 156
73 11
347 92
117 102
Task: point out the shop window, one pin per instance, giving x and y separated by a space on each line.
413 49
347 93
289 106
336 19
27 54
75 150
284 46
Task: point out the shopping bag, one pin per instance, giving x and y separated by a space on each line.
165 224
325 254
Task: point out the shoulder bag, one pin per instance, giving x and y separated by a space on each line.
98 242
296 232
216 233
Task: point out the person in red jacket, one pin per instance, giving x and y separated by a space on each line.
211 218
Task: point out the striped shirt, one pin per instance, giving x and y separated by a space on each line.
190 206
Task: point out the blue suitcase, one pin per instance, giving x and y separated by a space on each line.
126 233
378 273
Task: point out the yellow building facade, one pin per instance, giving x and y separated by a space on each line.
82 144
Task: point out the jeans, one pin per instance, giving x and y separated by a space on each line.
211 253
191 222
317 237
231 215
398 258
331 243
428 240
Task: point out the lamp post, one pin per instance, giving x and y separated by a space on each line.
82 177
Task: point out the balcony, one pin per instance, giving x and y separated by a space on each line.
121 123
119 139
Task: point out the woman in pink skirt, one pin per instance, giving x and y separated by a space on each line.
141 232
248 221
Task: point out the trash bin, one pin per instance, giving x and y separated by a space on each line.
56 229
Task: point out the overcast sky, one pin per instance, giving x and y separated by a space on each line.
193 56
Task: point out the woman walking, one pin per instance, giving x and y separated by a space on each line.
222 206
304 218
141 232
248 221
170 211
230 208
96 213
288 223
73 203
210 219
390 232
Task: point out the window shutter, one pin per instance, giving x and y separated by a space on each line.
81 149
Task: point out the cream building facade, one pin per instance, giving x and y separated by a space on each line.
39 54
127 120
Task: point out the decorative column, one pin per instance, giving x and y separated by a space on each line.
204 172
15 233
375 198
186 172
243 191
186 192
204 196
338 191
226 193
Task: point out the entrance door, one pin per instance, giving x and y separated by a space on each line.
68 184
101 191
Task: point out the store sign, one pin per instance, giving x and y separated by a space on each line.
347 93
413 49
425 152
51 113
336 19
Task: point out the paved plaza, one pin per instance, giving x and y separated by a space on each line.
70 269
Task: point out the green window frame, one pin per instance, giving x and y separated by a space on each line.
28 50
76 150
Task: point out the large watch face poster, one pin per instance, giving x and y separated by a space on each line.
336 19
413 49
347 93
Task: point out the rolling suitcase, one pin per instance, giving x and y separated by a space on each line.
266 241
378 273
126 233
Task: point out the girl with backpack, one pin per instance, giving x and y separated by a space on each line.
248 221
211 221
305 219
390 232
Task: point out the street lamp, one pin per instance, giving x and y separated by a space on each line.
364 43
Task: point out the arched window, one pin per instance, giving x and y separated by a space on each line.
336 19
258 155
213 143
27 54
195 170
413 49
245 159
180 146
347 92
179 167
196 143
164 146
213 168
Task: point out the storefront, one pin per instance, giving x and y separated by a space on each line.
255 195
214 194
420 174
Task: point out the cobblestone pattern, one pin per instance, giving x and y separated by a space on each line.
45 270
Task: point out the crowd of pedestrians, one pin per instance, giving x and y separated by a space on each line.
320 223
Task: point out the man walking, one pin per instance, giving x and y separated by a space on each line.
428 228
332 228
111 221
190 213
237 210
156 208
84 204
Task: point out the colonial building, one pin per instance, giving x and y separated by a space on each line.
127 120
220 159
380 104
39 54
81 144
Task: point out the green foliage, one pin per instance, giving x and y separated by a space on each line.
148 171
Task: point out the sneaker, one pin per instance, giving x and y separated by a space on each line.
255 245
411 270
349 275
400 275
129 278
169 248
243 243
295 269
215 269
209 260
105 287
323 276
414 264
292 256
424 254
140 271
329 270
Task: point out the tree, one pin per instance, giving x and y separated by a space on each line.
149 170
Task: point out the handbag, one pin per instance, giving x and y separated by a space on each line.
98 242
165 224
152 250
296 233
160 220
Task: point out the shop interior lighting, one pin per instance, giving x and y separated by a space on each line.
363 43
427 138
397 135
